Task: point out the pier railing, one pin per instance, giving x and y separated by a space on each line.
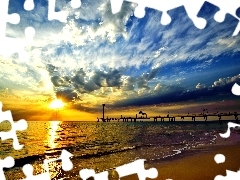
169 118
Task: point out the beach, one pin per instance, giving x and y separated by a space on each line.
200 166
178 150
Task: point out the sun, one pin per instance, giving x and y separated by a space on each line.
56 104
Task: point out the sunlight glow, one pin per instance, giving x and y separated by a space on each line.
52 133
56 104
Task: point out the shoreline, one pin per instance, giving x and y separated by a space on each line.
201 166
191 163
197 166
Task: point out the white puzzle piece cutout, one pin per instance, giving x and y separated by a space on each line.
8 162
192 8
66 166
16 126
137 167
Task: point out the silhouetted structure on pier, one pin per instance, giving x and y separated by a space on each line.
103 118
103 105
140 112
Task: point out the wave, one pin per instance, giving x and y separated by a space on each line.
53 153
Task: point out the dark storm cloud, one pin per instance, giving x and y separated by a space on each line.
79 77
60 81
67 95
107 79
171 94
155 98
51 69
128 84
90 86
142 81
82 83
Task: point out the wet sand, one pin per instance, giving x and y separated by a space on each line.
200 166
197 166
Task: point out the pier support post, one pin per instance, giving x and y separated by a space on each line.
205 117
103 105
193 118
236 117
182 117
219 118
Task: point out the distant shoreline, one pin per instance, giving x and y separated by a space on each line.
177 121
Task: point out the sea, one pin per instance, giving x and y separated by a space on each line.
105 146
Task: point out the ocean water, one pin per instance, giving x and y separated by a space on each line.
103 146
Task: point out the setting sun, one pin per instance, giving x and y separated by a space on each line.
56 104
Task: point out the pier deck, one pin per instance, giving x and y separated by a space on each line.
193 117
170 118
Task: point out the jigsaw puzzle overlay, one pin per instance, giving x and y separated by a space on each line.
9 46
66 166
16 126
220 158
192 8
15 45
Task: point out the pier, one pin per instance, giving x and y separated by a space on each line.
193 117
162 118
142 117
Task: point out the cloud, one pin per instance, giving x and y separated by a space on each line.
145 78
59 81
102 23
142 83
225 81
200 86
67 95
128 53
90 56
78 78
107 79
174 93
145 40
128 83
99 39
91 86
83 82
99 84
203 65
158 87
151 99
152 74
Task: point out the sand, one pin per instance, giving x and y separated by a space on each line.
200 166
196 164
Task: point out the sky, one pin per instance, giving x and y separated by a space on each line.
128 63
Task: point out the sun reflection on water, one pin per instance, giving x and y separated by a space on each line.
52 141
52 136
